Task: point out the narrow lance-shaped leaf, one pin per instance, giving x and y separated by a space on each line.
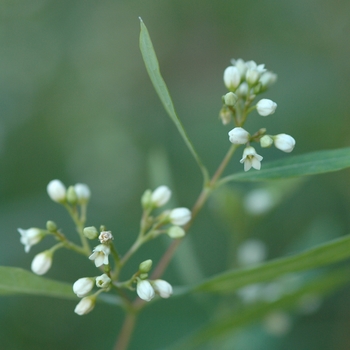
306 164
321 255
152 66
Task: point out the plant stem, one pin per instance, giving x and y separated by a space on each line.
126 331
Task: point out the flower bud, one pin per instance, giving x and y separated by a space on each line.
284 142
85 305
42 262
56 191
83 193
239 136
266 141
230 99
145 266
180 216
160 196
90 232
252 77
267 79
146 199
103 281
163 288
176 232
232 78
83 286
72 197
225 115
51 226
266 107
145 290
30 237
240 65
242 89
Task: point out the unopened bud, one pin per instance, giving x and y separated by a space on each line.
145 266
90 232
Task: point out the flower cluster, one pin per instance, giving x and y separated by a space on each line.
245 80
147 289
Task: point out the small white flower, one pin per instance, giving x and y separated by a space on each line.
239 136
56 191
161 196
100 255
103 281
163 288
83 286
240 65
145 290
232 78
42 262
83 193
251 159
180 216
267 79
266 107
30 237
176 232
85 305
254 72
105 236
284 142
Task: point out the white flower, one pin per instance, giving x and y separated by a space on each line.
83 286
232 78
267 79
180 216
103 281
250 252
284 142
239 136
176 232
100 255
42 262
242 89
85 305
30 237
240 65
163 288
161 196
56 191
145 290
105 236
83 193
266 107
251 159
254 72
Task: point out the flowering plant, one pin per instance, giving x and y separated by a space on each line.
245 80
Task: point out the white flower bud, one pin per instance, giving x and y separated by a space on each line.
145 290
85 305
251 159
180 216
239 136
103 281
90 232
284 142
267 79
232 78
266 107
83 286
252 76
161 196
56 191
30 237
230 99
100 255
83 193
266 141
240 65
105 237
242 89
42 262
176 232
163 288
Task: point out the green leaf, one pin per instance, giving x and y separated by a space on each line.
14 280
325 254
235 319
152 66
306 164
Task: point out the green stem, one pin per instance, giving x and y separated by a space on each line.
126 331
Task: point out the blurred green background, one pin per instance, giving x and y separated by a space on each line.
76 104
